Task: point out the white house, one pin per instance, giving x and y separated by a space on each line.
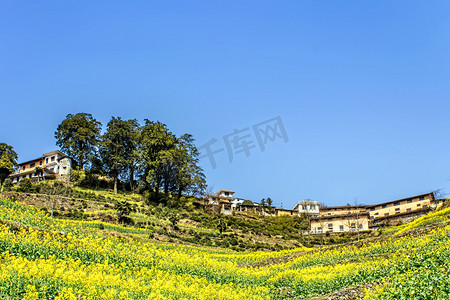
51 164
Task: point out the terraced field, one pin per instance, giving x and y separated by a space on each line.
45 258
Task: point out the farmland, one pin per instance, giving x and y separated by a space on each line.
48 258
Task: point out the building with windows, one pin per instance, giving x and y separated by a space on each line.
50 165
340 219
365 217
222 196
308 207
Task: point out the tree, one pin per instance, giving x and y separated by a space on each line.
78 136
247 202
269 202
123 210
39 171
8 161
118 148
263 202
25 185
158 152
189 175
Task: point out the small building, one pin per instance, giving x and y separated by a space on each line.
365 217
341 219
284 212
406 205
52 165
308 207
222 196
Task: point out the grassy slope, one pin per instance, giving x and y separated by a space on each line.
412 250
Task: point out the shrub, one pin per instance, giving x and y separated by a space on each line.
25 185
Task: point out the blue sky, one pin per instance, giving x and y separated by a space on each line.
361 87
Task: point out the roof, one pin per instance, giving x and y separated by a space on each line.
29 161
54 152
284 209
343 207
418 196
229 191
43 156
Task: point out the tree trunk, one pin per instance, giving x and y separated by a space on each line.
132 178
115 185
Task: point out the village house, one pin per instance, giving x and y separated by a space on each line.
307 207
407 209
284 212
224 200
365 217
50 165
340 219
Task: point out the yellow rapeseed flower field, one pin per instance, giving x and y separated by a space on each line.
45 258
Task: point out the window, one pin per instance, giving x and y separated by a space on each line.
371 217
330 219
409 201
312 207
376 214
46 160
341 227
386 214
397 209
52 158
422 198
408 209
372 209
396 203
32 165
353 225
384 206
330 225
23 168
329 214
418 204
425 206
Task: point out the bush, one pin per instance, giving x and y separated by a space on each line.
7 185
25 185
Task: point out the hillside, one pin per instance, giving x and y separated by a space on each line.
183 224
49 258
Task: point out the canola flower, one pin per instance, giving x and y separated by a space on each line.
47 258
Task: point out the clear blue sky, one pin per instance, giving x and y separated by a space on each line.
362 87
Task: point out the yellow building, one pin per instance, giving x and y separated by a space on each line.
284 212
406 205
52 165
365 217
340 219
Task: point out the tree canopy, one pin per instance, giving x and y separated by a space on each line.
165 165
8 161
119 148
78 136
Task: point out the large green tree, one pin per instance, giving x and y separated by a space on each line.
158 151
171 163
78 136
190 178
119 148
8 161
